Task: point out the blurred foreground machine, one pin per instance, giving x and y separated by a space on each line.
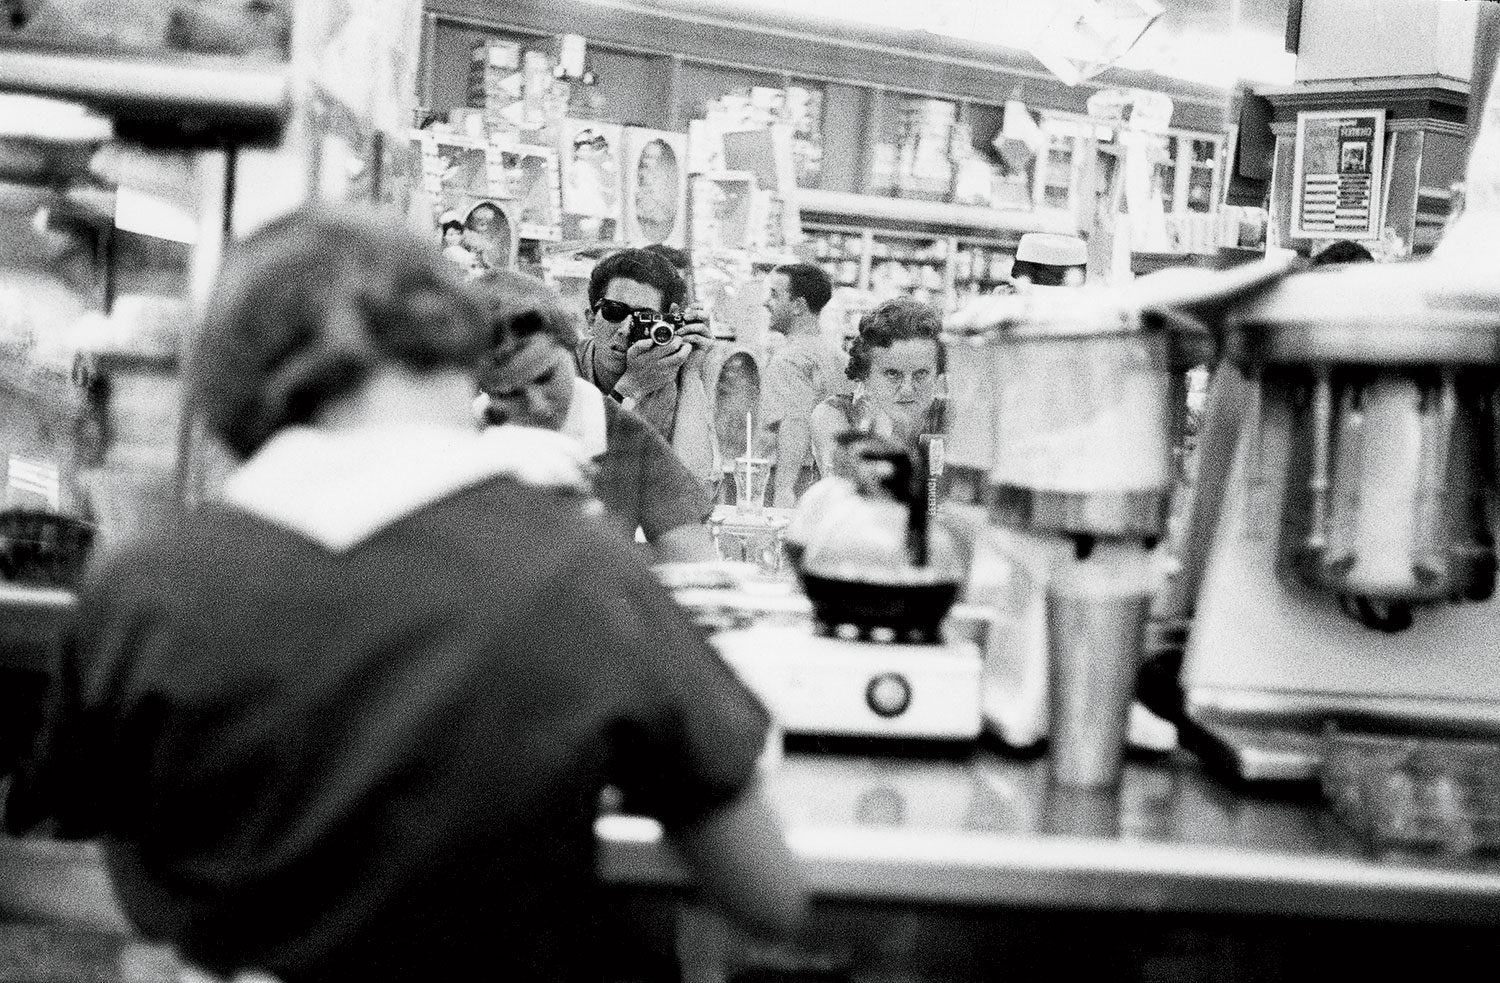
1345 569
1066 409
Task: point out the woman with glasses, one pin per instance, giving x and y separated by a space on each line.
895 361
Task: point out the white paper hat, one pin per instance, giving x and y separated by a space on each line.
1052 249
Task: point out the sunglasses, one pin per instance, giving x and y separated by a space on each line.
615 311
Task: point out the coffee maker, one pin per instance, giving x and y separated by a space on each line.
1340 546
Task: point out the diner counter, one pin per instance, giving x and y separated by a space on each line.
943 869
988 831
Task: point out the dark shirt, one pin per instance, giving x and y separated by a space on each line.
642 482
381 763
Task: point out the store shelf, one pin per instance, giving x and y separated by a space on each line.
866 209
176 100
1142 263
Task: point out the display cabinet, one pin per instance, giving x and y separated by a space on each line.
874 248
979 267
1189 179
1060 171
909 265
842 253
869 265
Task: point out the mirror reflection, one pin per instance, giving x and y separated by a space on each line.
1094 392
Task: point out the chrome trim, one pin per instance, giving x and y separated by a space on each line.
1128 513
1266 708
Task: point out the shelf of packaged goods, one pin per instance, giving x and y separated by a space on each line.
1142 263
914 260
866 209
170 99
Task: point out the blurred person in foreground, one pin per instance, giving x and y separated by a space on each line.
895 362
800 374
527 379
353 720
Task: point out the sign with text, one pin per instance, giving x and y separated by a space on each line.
1337 174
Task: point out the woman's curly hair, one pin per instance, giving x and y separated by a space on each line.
898 319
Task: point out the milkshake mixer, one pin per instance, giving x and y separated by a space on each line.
1060 457
1344 571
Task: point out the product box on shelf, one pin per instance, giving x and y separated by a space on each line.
656 164
592 190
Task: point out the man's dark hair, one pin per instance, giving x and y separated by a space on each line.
808 282
897 319
1343 251
677 257
641 266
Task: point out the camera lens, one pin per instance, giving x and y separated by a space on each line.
661 333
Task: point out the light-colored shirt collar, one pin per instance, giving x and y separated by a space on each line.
340 487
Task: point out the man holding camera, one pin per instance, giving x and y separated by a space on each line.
667 379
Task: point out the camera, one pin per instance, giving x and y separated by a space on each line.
660 328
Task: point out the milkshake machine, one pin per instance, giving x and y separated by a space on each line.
1344 571
1059 457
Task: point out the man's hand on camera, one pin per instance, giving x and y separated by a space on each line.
695 328
649 366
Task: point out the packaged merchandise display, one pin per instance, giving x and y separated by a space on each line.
726 212
804 114
592 185
516 91
839 254
753 130
655 187
529 177
980 270
496 83
924 163
910 267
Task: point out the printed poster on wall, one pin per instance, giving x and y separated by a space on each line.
1338 173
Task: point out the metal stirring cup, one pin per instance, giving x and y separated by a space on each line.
1096 622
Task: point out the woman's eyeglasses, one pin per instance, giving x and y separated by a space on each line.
615 311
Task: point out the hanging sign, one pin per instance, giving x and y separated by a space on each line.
1337 175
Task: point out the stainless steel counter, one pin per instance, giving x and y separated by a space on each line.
944 869
990 831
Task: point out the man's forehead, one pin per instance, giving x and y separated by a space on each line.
632 292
